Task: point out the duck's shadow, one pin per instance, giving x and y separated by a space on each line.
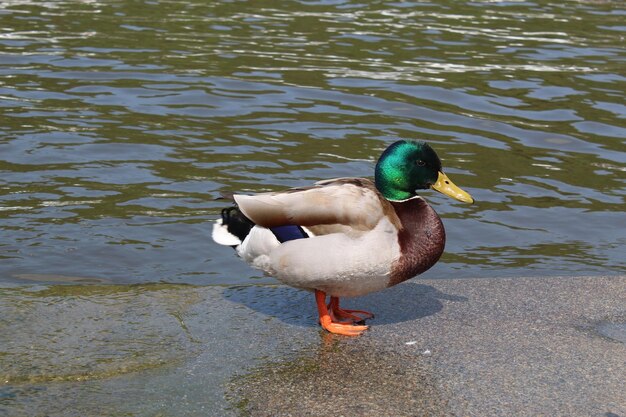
404 302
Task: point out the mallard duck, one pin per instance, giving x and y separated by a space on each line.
346 237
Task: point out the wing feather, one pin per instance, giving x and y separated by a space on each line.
353 202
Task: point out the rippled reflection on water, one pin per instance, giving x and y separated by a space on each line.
122 121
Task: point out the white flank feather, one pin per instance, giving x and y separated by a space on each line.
222 236
257 246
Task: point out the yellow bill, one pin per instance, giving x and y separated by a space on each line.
447 187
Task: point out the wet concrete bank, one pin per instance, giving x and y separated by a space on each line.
519 346
536 346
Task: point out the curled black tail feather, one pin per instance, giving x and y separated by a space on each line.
236 222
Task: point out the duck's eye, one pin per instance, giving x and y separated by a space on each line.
420 163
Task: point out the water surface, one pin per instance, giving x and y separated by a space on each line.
122 121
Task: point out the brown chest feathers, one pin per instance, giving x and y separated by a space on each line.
422 239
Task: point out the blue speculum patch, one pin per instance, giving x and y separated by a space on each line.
288 232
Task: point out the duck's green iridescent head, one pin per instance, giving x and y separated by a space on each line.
406 166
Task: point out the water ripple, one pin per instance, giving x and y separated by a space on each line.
122 122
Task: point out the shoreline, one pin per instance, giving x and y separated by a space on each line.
511 346
477 346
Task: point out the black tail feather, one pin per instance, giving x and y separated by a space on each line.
236 222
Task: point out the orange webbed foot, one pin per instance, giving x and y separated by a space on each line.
339 321
339 314
341 328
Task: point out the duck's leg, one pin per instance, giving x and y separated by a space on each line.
330 325
347 316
